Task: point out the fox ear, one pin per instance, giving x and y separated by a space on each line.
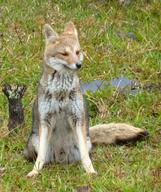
70 28
50 34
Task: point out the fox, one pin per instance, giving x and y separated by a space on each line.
60 127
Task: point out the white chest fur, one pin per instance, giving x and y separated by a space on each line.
57 90
61 82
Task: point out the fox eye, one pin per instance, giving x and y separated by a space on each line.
65 54
77 52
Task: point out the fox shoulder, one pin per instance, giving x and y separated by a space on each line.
116 133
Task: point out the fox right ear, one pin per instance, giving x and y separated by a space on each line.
50 34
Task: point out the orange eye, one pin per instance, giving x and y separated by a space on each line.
77 52
65 54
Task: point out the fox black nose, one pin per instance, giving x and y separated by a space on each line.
78 65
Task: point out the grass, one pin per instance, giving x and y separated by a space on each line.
109 53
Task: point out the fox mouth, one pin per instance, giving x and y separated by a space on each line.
59 64
76 66
67 67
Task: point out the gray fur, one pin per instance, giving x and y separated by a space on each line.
63 146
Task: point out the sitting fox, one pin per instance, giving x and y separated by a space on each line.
60 131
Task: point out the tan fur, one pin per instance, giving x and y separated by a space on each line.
65 47
60 131
114 133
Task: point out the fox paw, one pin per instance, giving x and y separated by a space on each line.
32 173
90 170
93 172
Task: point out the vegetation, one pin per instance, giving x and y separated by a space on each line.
117 41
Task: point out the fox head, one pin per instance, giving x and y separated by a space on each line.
62 52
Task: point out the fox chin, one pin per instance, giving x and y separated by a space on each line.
60 129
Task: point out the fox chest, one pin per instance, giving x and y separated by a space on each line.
56 102
59 95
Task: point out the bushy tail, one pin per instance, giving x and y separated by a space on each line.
116 133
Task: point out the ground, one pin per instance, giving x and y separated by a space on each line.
117 41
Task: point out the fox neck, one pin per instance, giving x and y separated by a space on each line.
59 80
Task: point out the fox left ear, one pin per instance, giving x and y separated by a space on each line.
50 34
70 29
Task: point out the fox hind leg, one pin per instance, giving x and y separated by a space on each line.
31 150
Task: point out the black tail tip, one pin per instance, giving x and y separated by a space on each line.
145 134
132 140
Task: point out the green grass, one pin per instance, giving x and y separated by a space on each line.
107 55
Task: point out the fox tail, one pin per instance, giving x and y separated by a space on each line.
116 133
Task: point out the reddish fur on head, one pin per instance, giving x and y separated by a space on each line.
64 47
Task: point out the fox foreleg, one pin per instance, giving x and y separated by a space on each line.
77 122
44 141
82 144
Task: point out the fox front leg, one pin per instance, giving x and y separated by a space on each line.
44 140
78 126
82 144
